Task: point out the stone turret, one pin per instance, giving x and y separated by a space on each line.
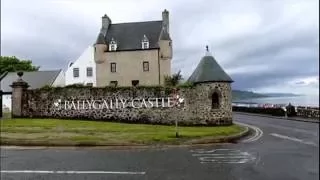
214 87
101 45
165 41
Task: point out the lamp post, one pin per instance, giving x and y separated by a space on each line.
176 104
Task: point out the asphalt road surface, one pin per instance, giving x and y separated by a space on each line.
278 150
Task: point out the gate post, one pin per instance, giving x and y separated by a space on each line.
18 88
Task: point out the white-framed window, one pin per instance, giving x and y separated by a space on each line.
113 67
75 72
89 71
145 45
145 42
145 66
112 45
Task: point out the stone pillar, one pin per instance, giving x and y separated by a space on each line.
18 88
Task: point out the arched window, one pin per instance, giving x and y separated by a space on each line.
215 101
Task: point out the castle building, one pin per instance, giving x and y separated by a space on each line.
134 53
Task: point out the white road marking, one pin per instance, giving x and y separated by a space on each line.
70 172
229 161
293 139
258 132
232 156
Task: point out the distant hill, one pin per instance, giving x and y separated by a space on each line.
281 94
239 95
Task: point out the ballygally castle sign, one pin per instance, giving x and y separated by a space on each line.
118 103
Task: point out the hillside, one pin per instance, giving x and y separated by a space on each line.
239 95
281 94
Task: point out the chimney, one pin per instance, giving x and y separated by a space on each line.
106 21
165 20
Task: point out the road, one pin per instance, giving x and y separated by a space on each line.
279 150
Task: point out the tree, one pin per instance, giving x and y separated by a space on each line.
173 80
13 64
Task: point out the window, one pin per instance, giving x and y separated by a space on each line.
145 42
90 84
113 67
215 100
135 82
170 43
112 45
89 71
145 66
114 83
145 45
75 72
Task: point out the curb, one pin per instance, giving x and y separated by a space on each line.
191 143
224 139
277 117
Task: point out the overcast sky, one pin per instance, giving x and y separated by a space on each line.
265 45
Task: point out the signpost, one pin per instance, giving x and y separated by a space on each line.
176 100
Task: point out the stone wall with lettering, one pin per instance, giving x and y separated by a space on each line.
149 105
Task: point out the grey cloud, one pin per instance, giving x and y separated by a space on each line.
287 45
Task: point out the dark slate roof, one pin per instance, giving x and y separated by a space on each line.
36 79
208 70
129 35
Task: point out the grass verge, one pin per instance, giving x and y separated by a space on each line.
53 132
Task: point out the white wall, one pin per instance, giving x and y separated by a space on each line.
85 60
60 80
6 102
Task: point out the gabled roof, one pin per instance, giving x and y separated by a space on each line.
128 36
35 79
208 70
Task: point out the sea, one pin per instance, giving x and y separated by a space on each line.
311 101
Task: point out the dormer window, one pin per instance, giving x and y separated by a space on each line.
145 42
112 45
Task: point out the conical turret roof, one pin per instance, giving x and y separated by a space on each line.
208 70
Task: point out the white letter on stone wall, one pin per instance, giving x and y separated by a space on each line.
94 105
90 104
78 105
143 103
111 104
150 102
123 101
132 104
83 105
157 103
73 105
169 102
66 104
117 103
162 104
104 105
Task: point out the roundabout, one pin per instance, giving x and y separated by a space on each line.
260 156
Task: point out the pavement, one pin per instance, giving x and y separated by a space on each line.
276 150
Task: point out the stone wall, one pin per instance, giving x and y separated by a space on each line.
195 109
